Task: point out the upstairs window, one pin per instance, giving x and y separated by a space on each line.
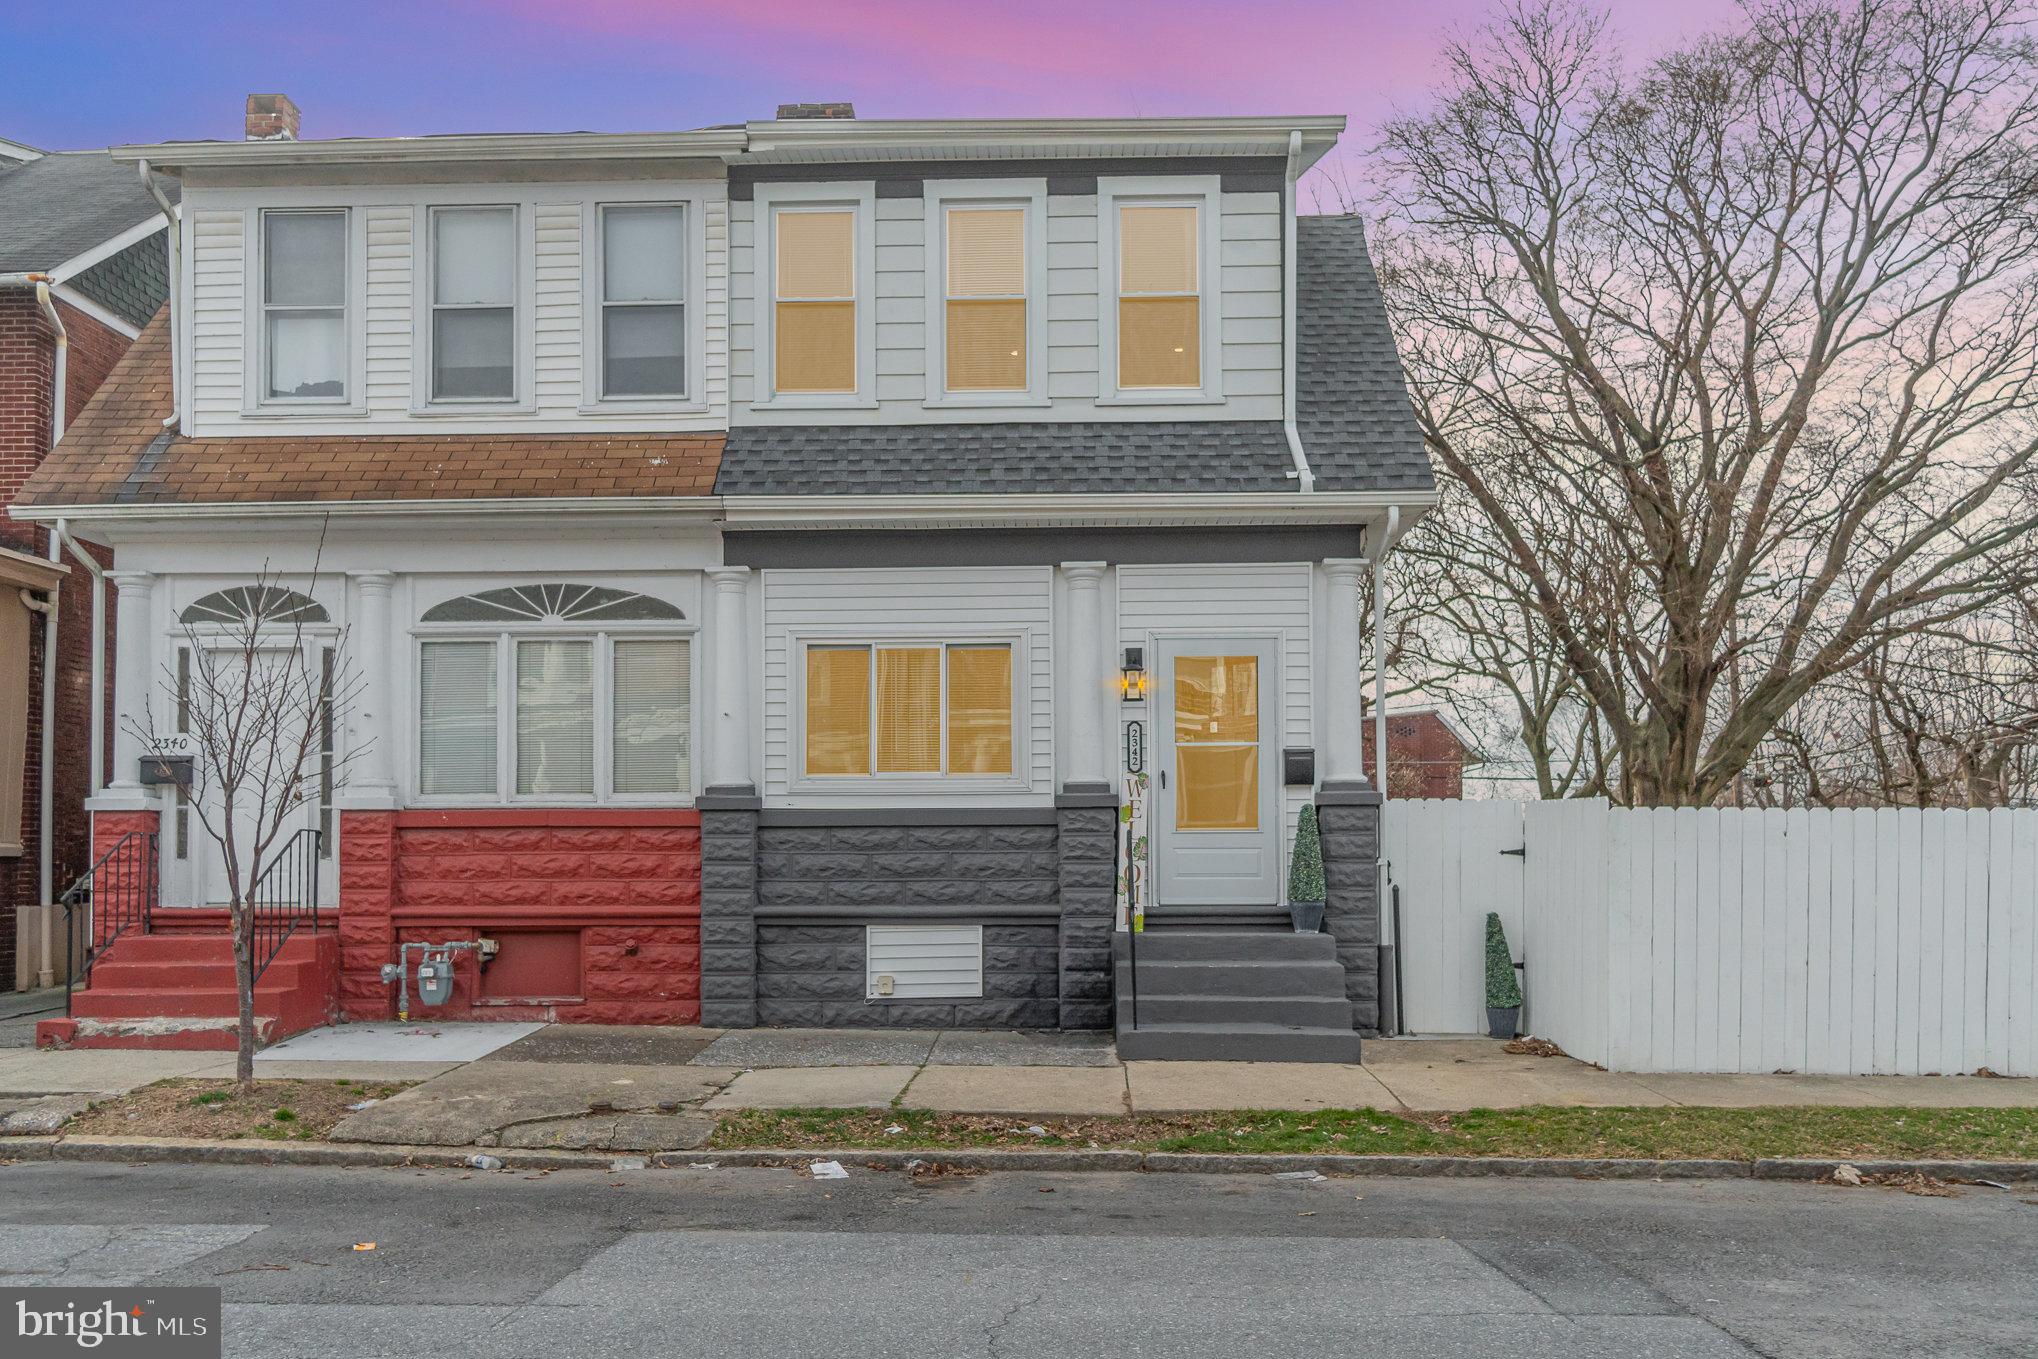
474 314
814 307
924 709
1160 305
986 299
643 300
304 305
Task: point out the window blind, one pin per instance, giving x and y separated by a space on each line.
838 710
304 294
651 702
643 287
555 717
456 717
980 710
909 710
474 302
986 312
1159 307
814 340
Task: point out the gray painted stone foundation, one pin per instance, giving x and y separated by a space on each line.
812 976
1086 826
1348 817
729 907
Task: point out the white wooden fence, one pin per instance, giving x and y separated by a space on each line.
1684 939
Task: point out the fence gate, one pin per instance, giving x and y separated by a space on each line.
1451 863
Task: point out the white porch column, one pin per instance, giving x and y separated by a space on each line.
1344 754
371 779
137 686
1087 680
729 742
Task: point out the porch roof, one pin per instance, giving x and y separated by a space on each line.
118 453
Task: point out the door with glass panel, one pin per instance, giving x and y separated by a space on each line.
1217 784
267 762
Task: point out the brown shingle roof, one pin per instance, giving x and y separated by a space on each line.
117 453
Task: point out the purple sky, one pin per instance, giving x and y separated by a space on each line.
147 70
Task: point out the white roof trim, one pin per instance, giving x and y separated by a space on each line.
695 507
707 143
109 247
20 152
71 297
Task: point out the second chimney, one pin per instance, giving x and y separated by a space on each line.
271 118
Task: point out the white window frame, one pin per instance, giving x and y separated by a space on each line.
859 197
1029 195
800 781
693 231
523 287
255 398
603 638
1205 194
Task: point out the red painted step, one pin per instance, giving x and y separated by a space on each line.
178 991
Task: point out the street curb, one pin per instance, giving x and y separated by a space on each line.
193 1151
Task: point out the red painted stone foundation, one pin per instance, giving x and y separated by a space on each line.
122 882
597 911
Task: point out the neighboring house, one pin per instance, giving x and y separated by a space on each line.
1427 755
83 266
814 572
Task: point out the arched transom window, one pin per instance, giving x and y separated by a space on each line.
554 692
264 605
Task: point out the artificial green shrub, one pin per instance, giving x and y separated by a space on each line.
1503 992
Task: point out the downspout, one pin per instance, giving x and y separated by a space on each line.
63 533
1288 399
60 377
176 243
1388 537
46 791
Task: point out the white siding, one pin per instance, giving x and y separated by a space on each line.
556 307
1259 600
218 242
948 602
388 309
1250 334
924 962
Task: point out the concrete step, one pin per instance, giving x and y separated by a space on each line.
1237 946
1309 1012
161 1034
119 974
105 1002
1203 978
1236 1043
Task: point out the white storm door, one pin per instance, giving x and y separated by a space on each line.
1217 805
267 761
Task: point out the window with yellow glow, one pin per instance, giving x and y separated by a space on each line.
814 310
927 709
1217 742
1160 305
986 315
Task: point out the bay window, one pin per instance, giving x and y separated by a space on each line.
304 305
909 708
473 304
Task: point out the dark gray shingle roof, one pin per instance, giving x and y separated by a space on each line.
1353 412
58 206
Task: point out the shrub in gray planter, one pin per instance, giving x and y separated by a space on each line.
1305 876
1503 992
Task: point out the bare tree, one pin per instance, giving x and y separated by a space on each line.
261 708
1734 359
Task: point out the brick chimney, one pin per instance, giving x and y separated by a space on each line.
844 109
271 118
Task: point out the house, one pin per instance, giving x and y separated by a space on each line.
1427 754
82 269
817 571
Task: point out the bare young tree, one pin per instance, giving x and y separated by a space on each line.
1734 359
261 707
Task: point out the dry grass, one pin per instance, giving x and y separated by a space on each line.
277 1111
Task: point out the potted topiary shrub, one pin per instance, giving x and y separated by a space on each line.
1503 992
1305 876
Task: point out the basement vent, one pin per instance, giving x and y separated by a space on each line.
923 962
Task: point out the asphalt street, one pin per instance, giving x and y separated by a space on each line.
770 1263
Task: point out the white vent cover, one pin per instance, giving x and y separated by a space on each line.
923 962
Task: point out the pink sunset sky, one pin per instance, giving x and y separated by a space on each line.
143 70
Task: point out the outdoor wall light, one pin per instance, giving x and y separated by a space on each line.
1132 679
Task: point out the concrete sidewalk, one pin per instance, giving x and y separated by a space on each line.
657 1088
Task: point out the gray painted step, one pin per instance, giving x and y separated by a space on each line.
1236 1043
1228 946
1204 978
1309 1012
1255 919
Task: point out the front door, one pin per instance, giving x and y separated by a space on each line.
1217 806
265 758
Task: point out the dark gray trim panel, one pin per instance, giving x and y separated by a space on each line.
902 179
907 816
823 549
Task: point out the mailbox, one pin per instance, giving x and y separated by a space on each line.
166 771
1298 766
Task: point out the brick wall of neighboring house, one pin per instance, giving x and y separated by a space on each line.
597 911
1424 757
27 377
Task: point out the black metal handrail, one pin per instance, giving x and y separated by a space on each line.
284 897
118 893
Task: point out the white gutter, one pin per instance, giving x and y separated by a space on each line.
62 534
46 791
1288 398
176 277
1389 535
60 376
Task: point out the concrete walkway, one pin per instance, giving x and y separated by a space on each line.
522 1087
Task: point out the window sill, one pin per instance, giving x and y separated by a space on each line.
786 403
456 410
1013 401
304 411
644 405
1185 397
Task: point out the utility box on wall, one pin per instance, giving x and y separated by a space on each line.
532 966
